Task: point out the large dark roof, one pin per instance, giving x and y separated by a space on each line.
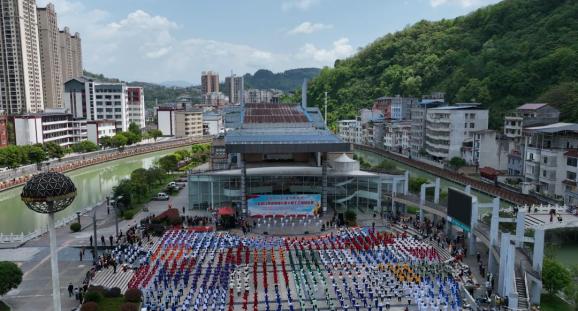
273 113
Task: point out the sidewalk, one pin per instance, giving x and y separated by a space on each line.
35 291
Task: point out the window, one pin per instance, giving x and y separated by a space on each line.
472 125
572 162
545 160
544 173
571 175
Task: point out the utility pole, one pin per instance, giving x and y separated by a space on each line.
325 109
95 236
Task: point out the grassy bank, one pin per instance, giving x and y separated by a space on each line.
553 303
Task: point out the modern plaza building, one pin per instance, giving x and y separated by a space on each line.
273 151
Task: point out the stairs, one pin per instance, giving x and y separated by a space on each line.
107 279
522 298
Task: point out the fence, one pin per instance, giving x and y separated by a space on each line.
23 238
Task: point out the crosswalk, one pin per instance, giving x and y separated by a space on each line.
108 279
444 253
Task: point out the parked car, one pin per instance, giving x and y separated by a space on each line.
175 185
161 196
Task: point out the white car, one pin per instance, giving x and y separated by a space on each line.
161 196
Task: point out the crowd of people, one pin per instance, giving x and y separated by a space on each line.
353 269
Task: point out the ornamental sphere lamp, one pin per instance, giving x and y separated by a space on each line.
49 193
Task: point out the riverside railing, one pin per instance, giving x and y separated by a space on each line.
23 238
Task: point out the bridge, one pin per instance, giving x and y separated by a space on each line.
505 194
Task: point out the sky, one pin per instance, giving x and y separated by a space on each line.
174 40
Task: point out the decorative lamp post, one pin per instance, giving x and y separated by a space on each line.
49 193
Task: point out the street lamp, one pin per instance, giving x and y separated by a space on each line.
78 217
49 193
116 213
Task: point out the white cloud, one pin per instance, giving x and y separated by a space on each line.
308 27
147 47
341 48
463 3
298 4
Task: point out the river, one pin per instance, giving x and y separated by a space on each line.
94 183
375 159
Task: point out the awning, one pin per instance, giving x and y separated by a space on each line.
226 211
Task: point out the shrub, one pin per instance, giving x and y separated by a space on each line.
132 295
89 306
10 276
350 218
113 293
93 296
128 214
75 227
129 306
99 289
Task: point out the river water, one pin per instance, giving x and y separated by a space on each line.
94 183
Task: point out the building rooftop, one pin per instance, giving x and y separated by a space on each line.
459 107
531 106
289 171
554 128
273 113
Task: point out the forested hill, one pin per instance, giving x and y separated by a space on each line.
286 81
502 55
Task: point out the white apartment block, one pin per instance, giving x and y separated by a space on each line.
20 69
234 86
571 181
488 148
52 126
448 127
257 96
98 129
166 120
188 123
214 99
547 163
397 136
105 101
213 123
350 131
52 82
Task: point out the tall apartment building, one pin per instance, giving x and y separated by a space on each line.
209 82
105 101
234 87
448 127
397 135
70 54
257 96
418 122
50 59
20 69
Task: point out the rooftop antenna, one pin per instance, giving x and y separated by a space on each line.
304 94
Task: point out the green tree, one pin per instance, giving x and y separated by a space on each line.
10 276
84 146
155 175
168 163
12 156
554 276
53 150
457 162
415 183
119 140
155 133
125 189
36 154
132 138
133 128
106 142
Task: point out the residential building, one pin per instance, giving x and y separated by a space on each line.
515 162
70 54
219 159
3 131
212 123
166 120
447 128
214 99
188 123
395 107
94 100
135 106
529 115
52 82
547 150
350 131
234 87
20 69
258 96
53 125
209 82
570 183
418 121
487 148
397 136
100 128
